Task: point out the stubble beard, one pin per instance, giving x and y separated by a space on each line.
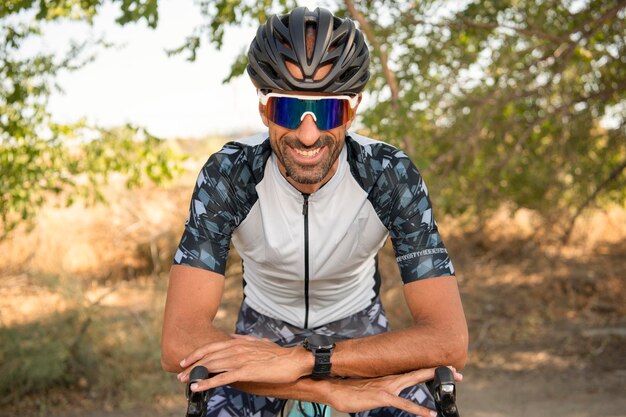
307 174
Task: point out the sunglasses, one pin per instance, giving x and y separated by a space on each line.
289 110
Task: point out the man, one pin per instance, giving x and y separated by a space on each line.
308 207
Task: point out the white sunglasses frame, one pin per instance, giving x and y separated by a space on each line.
353 100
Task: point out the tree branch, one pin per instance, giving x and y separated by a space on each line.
384 61
588 28
369 34
612 176
523 31
596 23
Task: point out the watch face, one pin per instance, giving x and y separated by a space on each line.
319 341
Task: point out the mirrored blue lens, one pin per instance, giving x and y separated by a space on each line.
329 113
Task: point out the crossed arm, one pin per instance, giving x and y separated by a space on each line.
389 362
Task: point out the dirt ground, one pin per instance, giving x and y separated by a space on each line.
547 322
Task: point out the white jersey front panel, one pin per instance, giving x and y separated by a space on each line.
343 232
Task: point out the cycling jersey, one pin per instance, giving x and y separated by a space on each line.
311 259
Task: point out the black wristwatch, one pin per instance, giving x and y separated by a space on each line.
322 348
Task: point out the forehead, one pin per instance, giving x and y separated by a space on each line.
320 74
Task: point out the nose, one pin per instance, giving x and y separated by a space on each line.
308 133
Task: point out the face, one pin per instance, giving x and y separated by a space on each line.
307 156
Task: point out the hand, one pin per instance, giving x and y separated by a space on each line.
354 395
247 358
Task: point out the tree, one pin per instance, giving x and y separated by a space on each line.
39 157
503 101
517 102
498 102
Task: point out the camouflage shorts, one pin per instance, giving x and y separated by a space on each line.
228 401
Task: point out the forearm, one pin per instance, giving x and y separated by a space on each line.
177 345
346 395
420 346
304 389
193 297
438 337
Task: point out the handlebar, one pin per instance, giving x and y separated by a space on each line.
442 388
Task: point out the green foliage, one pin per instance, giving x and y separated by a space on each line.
238 67
131 10
70 165
497 101
39 157
502 101
220 14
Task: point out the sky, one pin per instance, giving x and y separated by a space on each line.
139 84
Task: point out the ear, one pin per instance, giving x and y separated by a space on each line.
263 116
355 109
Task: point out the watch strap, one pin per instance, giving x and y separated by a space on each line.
322 366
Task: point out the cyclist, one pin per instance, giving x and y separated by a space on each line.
308 205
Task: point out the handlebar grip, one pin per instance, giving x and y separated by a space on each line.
198 373
444 391
197 401
443 375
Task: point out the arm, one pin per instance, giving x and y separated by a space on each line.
439 332
197 278
437 337
193 297
346 395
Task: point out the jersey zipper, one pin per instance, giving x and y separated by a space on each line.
305 213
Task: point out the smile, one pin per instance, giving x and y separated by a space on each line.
307 153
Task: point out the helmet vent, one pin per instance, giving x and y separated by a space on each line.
309 32
334 44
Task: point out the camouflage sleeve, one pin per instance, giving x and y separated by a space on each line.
419 249
214 213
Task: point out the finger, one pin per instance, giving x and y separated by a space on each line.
212 366
184 375
232 352
241 353
409 406
415 377
426 374
225 365
216 381
199 353
457 375
418 376
210 348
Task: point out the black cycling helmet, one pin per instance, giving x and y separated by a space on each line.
282 38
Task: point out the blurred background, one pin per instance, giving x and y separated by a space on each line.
514 111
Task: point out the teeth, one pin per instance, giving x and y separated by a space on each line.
307 153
